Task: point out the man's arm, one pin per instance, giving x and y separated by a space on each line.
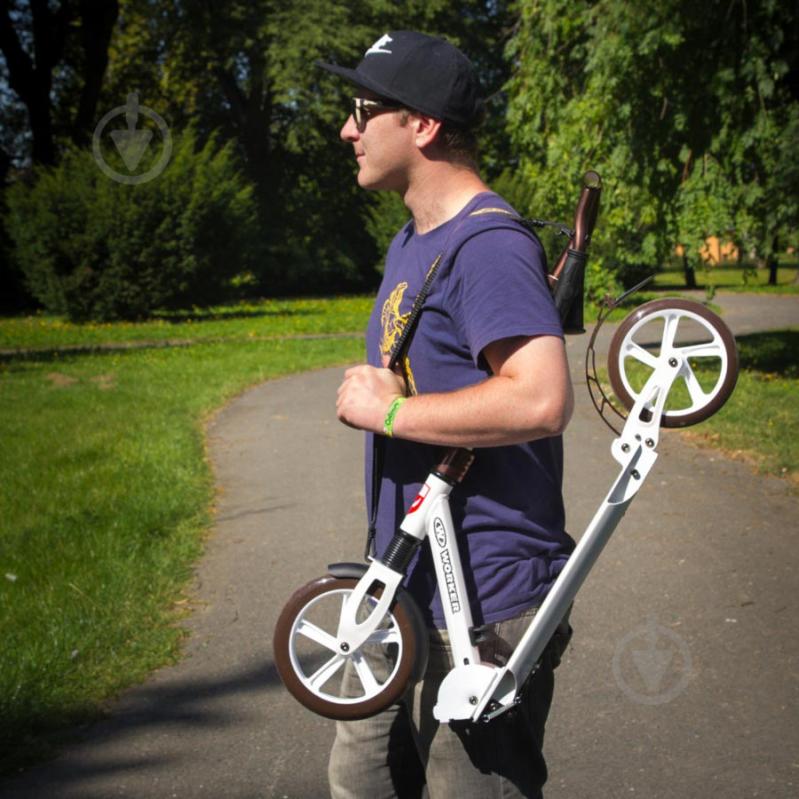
529 396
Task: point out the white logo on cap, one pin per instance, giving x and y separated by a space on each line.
379 44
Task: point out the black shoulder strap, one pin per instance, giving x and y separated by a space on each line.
401 348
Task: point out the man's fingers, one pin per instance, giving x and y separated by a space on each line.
354 370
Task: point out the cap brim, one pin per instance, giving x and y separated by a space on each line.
354 77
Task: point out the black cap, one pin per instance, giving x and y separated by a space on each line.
421 72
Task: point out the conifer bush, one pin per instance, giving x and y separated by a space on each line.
95 249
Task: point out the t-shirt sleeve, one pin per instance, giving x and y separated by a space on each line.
498 289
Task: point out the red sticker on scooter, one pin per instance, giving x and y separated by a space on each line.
417 503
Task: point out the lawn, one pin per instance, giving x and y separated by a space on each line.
106 493
266 319
760 422
732 278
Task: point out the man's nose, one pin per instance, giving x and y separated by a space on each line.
350 131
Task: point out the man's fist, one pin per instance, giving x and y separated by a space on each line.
365 396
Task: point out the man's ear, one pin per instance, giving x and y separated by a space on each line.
427 130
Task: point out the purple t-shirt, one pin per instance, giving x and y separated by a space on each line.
509 509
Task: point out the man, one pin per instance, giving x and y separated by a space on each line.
486 369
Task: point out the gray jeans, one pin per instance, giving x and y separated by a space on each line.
393 754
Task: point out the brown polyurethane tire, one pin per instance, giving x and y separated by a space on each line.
413 650
722 392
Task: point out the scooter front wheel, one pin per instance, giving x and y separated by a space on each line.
325 676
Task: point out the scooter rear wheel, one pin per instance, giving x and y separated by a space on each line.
327 678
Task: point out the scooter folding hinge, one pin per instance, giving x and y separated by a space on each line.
494 709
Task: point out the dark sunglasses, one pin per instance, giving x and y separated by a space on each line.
363 110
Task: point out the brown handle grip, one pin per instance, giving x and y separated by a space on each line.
584 220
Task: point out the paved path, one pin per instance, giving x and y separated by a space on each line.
704 565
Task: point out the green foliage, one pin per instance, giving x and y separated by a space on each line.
560 121
688 111
251 74
742 181
385 216
704 204
13 295
94 248
684 109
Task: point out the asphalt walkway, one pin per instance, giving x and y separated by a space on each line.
682 679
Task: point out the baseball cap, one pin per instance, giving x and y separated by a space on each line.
421 72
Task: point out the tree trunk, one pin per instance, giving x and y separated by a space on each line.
773 264
690 274
5 167
98 18
32 79
40 117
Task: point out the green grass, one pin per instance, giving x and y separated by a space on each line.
255 320
731 278
760 422
105 495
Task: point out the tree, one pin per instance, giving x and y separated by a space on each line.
92 248
250 74
748 171
671 102
246 73
44 47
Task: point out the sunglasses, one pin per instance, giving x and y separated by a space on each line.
363 110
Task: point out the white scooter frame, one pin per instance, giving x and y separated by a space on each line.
475 690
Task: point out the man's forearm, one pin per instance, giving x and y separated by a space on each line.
489 414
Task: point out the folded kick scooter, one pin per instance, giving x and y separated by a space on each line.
671 363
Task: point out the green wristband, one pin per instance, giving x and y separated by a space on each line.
388 424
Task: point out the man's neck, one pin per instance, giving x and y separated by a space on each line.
439 194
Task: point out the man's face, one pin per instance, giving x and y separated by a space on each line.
382 146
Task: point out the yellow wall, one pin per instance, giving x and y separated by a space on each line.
714 251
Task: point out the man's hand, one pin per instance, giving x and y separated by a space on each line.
365 395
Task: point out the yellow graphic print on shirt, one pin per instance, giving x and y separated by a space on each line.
393 323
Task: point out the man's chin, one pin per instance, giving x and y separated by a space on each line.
367 182
372 183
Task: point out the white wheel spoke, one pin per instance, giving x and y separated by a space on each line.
323 674
670 324
370 684
710 349
318 635
385 636
635 350
698 395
